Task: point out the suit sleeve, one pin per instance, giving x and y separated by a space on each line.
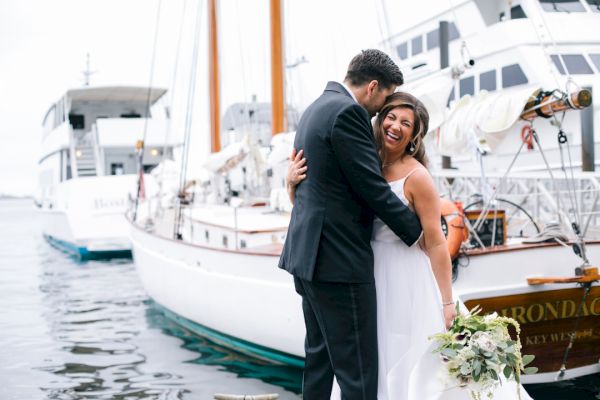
353 146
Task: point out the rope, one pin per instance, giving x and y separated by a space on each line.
485 210
575 211
242 66
537 141
148 96
173 86
586 291
188 117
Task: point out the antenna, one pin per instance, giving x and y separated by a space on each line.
87 72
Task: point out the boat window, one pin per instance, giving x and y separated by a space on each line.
453 31
594 5
516 12
131 115
513 75
433 39
562 5
487 80
225 241
117 169
467 86
557 64
596 60
402 49
576 64
243 244
417 45
451 98
206 235
77 121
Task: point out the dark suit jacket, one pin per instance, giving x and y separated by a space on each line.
329 237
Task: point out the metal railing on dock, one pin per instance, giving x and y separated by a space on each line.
562 198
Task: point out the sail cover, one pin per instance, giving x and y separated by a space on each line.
482 120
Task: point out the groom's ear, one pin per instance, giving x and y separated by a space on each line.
372 87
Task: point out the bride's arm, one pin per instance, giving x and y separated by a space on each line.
426 201
296 173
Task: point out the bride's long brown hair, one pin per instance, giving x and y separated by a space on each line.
420 126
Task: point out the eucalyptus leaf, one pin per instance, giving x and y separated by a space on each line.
531 370
528 358
508 371
448 352
493 374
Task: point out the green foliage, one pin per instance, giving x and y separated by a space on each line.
478 352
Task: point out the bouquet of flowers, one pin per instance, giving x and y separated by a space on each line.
478 350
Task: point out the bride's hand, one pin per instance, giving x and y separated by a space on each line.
296 168
449 314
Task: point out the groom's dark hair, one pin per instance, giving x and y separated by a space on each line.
373 64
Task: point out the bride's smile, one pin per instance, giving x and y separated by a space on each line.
398 127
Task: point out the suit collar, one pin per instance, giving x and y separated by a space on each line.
337 87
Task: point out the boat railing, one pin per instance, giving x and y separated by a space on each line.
564 198
98 152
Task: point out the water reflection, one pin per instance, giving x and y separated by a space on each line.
210 353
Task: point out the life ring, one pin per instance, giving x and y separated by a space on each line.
527 136
453 226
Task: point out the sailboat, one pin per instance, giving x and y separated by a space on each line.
211 264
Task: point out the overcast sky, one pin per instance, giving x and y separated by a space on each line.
43 47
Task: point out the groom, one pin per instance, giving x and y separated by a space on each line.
328 246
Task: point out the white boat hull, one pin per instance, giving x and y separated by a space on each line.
233 296
86 216
244 300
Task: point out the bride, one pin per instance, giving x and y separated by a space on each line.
414 299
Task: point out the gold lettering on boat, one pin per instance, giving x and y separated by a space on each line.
548 311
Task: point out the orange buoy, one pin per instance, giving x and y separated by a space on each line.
453 226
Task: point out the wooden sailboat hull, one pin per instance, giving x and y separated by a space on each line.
497 281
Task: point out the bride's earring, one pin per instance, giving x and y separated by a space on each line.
412 147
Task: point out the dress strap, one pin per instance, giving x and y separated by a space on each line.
412 171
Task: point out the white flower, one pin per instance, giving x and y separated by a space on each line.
490 317
484 341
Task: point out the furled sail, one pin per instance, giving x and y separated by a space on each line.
482 120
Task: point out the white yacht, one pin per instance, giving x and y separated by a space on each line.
212 262
88 168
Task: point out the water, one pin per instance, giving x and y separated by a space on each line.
72 330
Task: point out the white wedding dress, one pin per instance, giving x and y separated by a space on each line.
408 312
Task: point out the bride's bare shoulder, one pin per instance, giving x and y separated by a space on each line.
419 185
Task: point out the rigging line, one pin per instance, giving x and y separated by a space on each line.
188 116
171 101
147 113
560 57
244 70
174 82
384 27
552 178
152 64
464 44
488 204
573 195
570 183
545 51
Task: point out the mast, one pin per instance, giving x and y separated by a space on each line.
278 122
213 79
